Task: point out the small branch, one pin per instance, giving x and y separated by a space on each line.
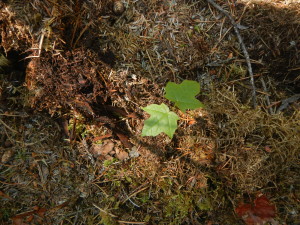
241 42
267 96
8 127
102 210
285 103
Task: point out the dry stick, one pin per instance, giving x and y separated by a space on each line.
241 79
245 52
267 97
8 127
288 101
82 32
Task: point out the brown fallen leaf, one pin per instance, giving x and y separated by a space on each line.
18 221
102 149
124 139
121 154
29 216
259 213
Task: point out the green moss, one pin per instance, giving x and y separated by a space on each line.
144 198
204 204
178 207
147 218
107 163
237 71
106 219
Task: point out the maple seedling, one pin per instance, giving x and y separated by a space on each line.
183 95
161 118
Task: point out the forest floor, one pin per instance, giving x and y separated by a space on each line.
75 75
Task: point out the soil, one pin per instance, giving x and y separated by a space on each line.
75 75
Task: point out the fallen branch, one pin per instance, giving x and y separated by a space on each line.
241 42
285 103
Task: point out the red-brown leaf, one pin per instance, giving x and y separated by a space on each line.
18 221
28 216
262 211
243 209
263 208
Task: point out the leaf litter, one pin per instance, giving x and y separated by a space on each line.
261 212
99 68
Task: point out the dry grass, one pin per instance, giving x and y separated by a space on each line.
91 59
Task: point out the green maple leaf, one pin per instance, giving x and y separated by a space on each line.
161 120
183 95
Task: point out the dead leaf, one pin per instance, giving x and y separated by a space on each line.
108 157
258 214
29 216
124 139
263 208
18 221
121 154
102 149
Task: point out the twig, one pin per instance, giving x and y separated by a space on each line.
102 210
82 32
244 78
13 115
128 198
266 96
130 222
245 52
8 127
134 193
286 102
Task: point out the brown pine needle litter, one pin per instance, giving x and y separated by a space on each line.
74 76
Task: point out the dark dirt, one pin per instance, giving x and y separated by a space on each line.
74 76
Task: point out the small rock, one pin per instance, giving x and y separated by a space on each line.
134 153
